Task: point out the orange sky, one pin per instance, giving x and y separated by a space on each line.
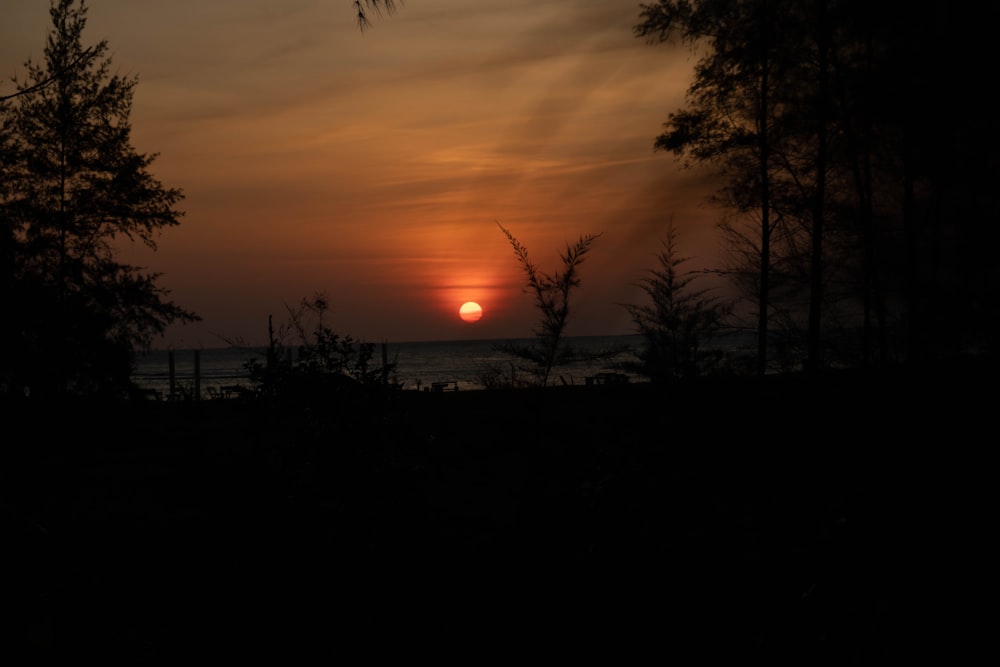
375 166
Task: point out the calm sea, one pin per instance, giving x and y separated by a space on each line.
460 364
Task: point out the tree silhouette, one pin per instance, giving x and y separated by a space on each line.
74 189
853 192
552 293
677 321
729 117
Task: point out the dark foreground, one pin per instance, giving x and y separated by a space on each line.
833 521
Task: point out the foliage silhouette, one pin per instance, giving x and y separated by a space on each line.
377 6
678 320
73 188
728 122
307 361
854 235
552 298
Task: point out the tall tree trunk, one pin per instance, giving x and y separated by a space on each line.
910 223
765 199
859 132
815 353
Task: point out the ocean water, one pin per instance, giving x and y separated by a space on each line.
462 365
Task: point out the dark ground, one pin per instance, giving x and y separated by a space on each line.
840 520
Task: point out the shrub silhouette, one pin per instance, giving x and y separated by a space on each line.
320 364
677 321
552 297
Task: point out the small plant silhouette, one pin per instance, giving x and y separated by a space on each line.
325 362
552 297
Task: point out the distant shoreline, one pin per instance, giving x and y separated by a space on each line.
466 364
526 339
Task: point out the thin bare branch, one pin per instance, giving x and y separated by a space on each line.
42 84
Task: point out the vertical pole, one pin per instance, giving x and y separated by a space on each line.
385 363
173 378
197 375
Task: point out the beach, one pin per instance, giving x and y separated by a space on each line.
817 520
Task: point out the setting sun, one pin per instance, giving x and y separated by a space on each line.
470 311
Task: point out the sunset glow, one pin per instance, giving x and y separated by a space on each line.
374 167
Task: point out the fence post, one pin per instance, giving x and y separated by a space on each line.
385 363
173 379
197 375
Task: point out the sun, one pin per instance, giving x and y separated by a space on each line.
470 311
